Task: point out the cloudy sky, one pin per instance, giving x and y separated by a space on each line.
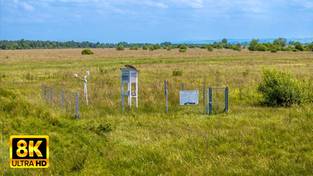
154 20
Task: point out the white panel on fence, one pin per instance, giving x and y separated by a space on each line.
188 97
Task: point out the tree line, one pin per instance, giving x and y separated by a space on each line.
279 44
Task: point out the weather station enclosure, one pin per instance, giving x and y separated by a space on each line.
129 86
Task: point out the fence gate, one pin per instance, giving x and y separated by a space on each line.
217 100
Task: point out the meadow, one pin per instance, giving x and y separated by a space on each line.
251 139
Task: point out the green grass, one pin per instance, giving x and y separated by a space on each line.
250 140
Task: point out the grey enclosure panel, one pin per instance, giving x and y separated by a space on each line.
189 97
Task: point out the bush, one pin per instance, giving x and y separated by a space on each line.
86 52
134 47
120 47
260 47
299 46
280 89
236 47
177 73
145 47
253 44
182 48
210 48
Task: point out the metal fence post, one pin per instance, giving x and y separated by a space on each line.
182 86
122 96
62 98
210 100
166 95
226 99
51 95
204 97
77 115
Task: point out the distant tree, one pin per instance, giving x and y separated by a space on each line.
310 47
166 44
224 41
274 48
236 47
134 47
145 47
253 44
120 47
280 42
261 47
298 46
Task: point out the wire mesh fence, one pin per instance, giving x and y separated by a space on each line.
62 99
154 97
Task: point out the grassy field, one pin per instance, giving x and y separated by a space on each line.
250 140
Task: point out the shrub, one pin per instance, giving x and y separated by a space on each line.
120 47
260 47
253 44
134 47
236 47
280 42
210 48
183 48
86 52
145 47
280 89
299 46
177 73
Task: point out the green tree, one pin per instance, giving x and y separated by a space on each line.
280 42
298 46
260 47
120 47
253 44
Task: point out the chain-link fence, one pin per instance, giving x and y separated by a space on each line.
62 99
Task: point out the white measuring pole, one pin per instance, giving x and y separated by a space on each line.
84 79
85 89
129 91
137 90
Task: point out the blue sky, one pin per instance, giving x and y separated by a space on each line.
154 20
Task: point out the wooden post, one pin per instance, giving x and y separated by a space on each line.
226 99
77 115
210 101
166 95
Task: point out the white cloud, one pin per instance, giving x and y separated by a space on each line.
220 7
27 6
190 3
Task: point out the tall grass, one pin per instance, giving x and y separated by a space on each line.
250 140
